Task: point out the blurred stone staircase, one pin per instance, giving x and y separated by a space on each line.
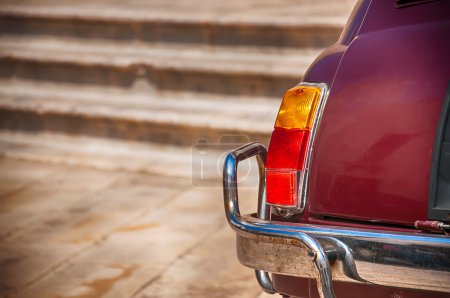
169 72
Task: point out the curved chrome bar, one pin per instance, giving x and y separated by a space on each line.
344 254
264 281
231 203
230 184
263 213
397 259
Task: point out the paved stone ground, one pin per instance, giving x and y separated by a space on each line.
73 230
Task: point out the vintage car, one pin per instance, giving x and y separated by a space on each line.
354 190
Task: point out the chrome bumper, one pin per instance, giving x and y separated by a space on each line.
406 260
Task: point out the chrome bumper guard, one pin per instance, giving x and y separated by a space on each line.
404 260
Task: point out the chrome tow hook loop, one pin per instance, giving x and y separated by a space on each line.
231 204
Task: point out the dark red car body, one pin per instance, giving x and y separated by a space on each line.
388 76
373 153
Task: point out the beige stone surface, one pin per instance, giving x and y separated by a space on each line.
226 60
170 72
234 11
80 231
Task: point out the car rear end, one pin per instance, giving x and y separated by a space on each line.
355 187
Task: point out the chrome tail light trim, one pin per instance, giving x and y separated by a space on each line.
303 175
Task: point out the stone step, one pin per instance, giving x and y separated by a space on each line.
181 120
183 162
287 23
101 154
159 71
154 67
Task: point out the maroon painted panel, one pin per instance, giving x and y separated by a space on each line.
373 150
322 70
307 288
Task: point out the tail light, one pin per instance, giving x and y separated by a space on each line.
290 147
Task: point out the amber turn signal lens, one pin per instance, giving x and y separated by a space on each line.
298 108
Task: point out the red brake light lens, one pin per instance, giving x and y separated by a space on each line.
282 187
287 149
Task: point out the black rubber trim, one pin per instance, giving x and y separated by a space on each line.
435 211
407 3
